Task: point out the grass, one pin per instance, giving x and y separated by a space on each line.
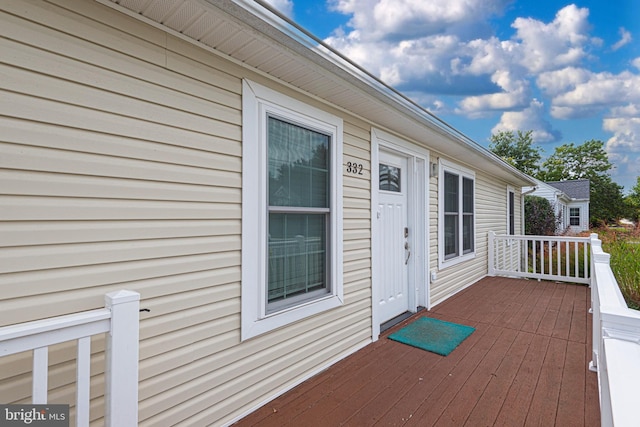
624 247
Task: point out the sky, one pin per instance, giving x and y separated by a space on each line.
570 72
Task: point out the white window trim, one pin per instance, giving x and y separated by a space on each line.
257 102
447 166
579 216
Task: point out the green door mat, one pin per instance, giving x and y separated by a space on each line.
433 335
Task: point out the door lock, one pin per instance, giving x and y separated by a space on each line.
406 232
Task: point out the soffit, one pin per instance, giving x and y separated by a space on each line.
249 33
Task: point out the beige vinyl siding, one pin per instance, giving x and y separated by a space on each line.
490 215
120 163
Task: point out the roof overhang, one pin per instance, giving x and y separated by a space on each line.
255 36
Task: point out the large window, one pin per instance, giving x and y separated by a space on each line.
574 216
291 211
298 213
456 240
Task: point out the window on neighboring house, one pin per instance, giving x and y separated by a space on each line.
574 216
511 201
456 238
291 212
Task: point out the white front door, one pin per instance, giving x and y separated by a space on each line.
394 235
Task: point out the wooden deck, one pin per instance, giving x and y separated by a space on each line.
526 364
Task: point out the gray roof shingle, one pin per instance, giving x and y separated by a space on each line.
575 188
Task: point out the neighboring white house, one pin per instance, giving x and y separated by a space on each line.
570 200
272 202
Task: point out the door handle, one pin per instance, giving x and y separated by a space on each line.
408 249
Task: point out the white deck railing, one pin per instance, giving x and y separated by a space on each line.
556 258
616 344
119 320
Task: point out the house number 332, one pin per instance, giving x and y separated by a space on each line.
354 168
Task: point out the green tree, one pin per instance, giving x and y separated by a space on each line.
632 202
588 161
606 203
518 150
571 161
635 192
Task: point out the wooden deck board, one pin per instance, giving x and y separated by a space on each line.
517 401
544 404
526 364
570 403
467 396
490 403
446 389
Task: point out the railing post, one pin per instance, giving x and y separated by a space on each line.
491 270
596 327
121 372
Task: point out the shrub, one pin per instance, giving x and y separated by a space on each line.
540 220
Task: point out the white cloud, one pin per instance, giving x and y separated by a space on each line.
410 19
580 93
623 147
516 94
440 50
625 38
429 64
626 136
283 6
556 82
560 43
624 123
531 118
421 46
490 55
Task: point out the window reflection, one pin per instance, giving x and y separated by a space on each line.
390 178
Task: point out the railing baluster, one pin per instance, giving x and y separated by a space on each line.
577 252
40 375
490 243
567 259
83 375
511 243
550 257
534 244
585 262
526 255
543 254
543 258
504 254
559 258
